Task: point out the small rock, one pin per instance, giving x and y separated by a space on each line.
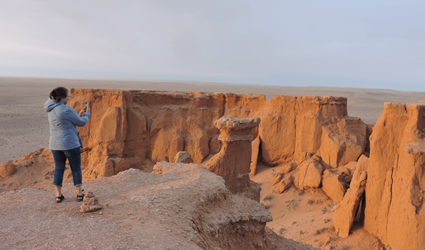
90 201
327 241
183 157
277 178
89 208
89 194
286 169
7 169
308 174
284 184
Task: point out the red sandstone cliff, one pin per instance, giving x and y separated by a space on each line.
396 178
126 127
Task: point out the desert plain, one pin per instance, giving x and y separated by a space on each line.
304 216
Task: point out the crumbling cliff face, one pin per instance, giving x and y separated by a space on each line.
294 128
127 127
222 220
396 177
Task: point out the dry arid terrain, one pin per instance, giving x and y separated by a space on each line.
183 206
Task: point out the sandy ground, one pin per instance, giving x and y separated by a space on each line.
24 127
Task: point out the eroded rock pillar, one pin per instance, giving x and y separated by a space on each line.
234 159
395 189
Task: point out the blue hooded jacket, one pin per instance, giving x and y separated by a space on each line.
63 131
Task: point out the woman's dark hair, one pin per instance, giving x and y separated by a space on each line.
58 93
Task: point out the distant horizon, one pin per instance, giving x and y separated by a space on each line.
201 82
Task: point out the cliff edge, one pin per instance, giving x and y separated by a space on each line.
180 206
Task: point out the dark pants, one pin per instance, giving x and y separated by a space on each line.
74 159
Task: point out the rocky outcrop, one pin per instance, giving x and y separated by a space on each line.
345 212
292 127
234 159
40 156
396 179
308 174
342 142
183 157
126 127
7 169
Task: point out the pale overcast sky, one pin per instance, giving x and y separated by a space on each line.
376 44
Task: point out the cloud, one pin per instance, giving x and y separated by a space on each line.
13 47
274 42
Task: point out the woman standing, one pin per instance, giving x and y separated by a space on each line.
64 139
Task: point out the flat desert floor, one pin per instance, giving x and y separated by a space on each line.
24 127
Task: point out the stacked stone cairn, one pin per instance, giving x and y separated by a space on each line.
90 203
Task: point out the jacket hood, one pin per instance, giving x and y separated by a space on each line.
51 104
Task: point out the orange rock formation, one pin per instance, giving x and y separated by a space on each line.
396 178
234 159
127 127
345 212
309 174
7 169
